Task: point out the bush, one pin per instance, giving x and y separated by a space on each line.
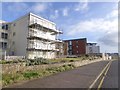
63 61
10 78
71 60
36 61
30 74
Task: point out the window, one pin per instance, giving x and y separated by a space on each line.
2 35
70 47
77 42
14 24
4 45
70 52
77 52
6 27
6 36
13 33
90 49
70 42
3 27
77 46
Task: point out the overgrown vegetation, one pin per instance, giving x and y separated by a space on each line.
16 77
36 61
11 61
39 61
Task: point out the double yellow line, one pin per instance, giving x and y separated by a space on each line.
101 82
103 72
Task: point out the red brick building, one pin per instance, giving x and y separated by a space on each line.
75 46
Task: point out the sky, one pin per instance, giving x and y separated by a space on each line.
96 21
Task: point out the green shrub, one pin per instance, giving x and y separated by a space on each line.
30 74
36 61
71 60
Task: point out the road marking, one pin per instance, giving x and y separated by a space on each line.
91 86
101 82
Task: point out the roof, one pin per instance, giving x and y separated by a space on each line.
91 43
76 39
34 16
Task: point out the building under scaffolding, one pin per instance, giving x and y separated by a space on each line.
34 37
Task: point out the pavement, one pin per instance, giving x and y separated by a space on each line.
81 77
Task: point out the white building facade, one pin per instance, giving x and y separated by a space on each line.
92 48
34 37
4 30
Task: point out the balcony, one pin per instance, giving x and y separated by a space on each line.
58 32
41 49
40 27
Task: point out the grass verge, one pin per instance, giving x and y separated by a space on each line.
8 79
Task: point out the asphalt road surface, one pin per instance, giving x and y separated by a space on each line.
81 77
111 79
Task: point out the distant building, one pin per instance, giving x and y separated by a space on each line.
114 55
92 48
75 46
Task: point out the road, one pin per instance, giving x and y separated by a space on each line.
111 79
81 77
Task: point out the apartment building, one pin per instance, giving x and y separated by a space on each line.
92 48
4 30
75 46
34 37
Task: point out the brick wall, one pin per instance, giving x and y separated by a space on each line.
78 46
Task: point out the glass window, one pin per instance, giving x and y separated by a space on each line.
76 41
77 46
5 45
6 36
77 52
70 47
3 27
2 44
70 42
6 27
70 52
2 35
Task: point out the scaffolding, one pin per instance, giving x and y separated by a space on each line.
48 42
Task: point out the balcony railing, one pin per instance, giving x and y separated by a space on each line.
41 27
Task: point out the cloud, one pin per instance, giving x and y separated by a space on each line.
55 15
93 25
82 6
110 38
39 7
113 14
106 29
65 11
